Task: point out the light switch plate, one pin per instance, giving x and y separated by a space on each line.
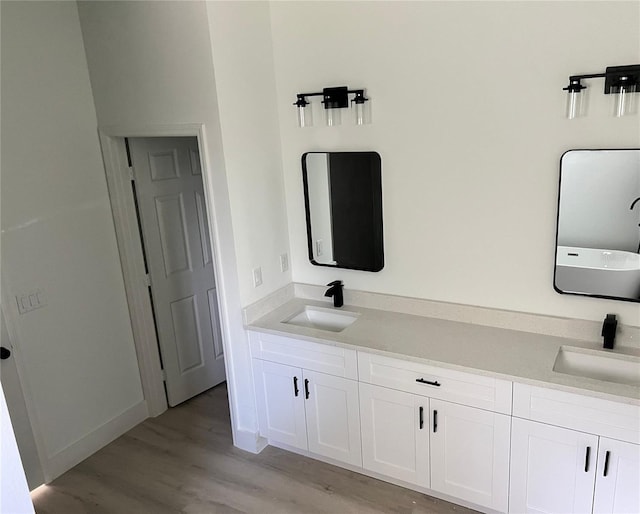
257 277
284 262
28 302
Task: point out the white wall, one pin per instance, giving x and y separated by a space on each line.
245 83
151 64
76 355
468 116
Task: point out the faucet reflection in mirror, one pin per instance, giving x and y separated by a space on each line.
597 234
633 204
334 99
620 81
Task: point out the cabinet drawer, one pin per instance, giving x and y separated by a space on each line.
332 360
455 386
584 413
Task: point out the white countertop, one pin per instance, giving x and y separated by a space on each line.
509 354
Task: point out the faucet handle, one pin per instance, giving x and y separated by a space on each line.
609 325
335 283
609 331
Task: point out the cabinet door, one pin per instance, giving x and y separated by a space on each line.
470 454
280 403
394 441
552 469
618 480
333 417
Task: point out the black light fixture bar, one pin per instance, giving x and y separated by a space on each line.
333 99
620 80
587 76
617 76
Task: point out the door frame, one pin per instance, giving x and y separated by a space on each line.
112 140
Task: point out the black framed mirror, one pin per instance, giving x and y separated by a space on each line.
598 229
343 203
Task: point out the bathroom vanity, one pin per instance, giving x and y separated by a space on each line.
468 413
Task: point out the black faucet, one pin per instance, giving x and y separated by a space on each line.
609 331
335 290
633 204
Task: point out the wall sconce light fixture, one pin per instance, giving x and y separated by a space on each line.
621 81
334 100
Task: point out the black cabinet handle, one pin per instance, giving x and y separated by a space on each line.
295 386
435 421
306 388
5 353
606 463
421 418
428 382
586 459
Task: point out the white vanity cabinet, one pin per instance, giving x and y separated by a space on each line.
405 435
304 398
470 453
491 443
395 433
551 470
573 467
618 478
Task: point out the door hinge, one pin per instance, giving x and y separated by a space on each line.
164 375
130 173
147 280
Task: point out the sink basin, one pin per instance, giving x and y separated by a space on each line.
323 319
610 367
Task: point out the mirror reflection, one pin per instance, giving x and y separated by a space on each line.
343 200
598 237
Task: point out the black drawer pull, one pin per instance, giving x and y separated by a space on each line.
586 459
606 463
435 421
306 388
295 386
421 418
428 382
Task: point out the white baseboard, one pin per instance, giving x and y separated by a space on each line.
65 459
251 442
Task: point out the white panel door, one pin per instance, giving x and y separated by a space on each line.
175 230
618 479
395 433
18 412
470 454
333 417
280 402
14 493
552 469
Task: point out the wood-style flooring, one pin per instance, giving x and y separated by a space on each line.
184 462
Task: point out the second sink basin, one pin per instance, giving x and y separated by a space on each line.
323 319
610 367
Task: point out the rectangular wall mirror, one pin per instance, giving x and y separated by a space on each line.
343 201
598 233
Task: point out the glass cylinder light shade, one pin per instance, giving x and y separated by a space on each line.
333 117
624 100
305 113
576 102
305 117
362 111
